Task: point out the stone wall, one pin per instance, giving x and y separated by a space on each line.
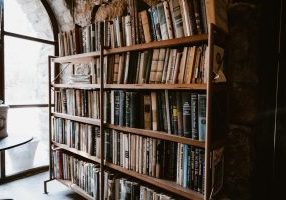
243 100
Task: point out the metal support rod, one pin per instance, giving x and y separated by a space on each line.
50 125
101 113
2 165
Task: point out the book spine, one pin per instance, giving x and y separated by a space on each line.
194 115
122 108
127 108
202 116
147 112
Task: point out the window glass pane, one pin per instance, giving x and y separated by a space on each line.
26 71
27 18
30 121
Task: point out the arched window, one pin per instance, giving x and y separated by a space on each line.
28 35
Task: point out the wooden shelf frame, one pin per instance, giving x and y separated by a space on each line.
75 188
77 152
160 183
169 186
137 131
172 43
158 135
85 120
209 88
156 86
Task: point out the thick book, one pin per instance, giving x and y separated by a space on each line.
122 108
177 18
194 115
187 118
127 108
162 21
134 100
146 26
202 98
147 112
154 111
168 17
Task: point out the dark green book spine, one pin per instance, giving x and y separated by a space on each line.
127 108
121 108
134 109
194 113
116 107
202 116
187 119
179 113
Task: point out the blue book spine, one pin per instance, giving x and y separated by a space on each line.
202 116
186 166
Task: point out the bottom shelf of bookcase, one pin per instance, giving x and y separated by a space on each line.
160 183
75 188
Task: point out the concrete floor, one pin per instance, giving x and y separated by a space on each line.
32 188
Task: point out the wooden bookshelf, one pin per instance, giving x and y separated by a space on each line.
85 120
89 57
75 188
171 43
156 86
77 86
206 90
77 152
164 184
158 135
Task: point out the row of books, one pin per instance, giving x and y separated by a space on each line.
178 113
149 156
87 176
82 103
77 135
166 20
184 65
83 174
153 157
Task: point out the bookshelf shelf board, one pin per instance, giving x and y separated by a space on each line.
88 57
164 184
190 40
158 135
157 86
78 152
77 86
85 120
75 188
78 58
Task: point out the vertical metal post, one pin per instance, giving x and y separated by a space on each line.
2 165
2 69
208 185
50 125
101 112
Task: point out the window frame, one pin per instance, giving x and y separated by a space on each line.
54 26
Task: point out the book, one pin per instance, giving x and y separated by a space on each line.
202 116
194 115
177 18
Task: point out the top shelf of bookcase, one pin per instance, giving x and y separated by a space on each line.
88 57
